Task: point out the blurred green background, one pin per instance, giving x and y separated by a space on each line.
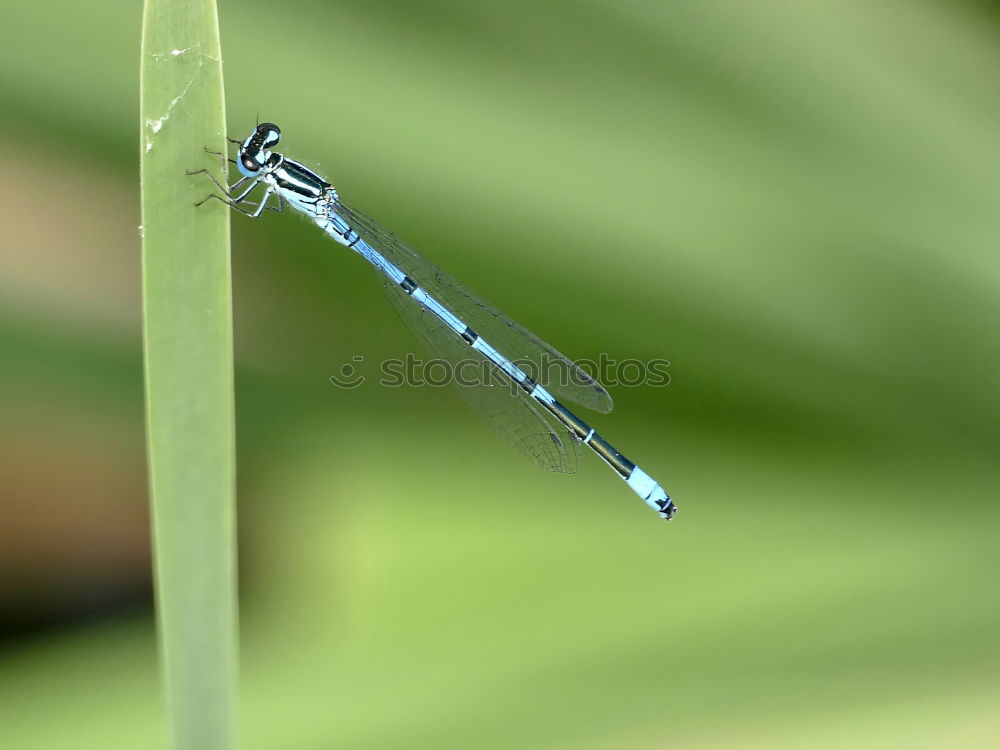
796 203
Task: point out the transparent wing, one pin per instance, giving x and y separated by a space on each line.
511 413
542 362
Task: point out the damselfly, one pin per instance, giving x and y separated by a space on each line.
451 321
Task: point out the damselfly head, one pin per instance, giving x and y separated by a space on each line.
254 153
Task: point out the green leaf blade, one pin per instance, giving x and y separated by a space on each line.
187 310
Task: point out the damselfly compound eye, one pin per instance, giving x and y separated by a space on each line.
271 134
249 164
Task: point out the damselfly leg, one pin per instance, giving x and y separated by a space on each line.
238 201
